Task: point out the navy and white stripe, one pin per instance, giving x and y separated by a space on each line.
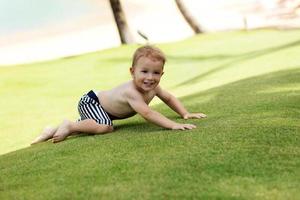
89 108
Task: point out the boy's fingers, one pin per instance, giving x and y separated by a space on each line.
200 115
203 115
190 126
185 127
195 115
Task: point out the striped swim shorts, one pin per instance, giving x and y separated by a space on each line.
89 107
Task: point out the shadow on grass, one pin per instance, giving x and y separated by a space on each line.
237 59
249 140
269 100
273 97
133 127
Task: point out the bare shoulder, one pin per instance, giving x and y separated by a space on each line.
162 94
158 90
130 92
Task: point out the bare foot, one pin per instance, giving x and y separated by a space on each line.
46 134
62 132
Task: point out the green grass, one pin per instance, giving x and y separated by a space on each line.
248 148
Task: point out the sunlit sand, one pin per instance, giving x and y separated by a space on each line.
162 23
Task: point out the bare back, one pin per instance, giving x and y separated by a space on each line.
115 101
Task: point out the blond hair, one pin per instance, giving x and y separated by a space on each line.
148 51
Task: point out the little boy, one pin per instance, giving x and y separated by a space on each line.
98 109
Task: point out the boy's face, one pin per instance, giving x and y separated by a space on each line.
146 74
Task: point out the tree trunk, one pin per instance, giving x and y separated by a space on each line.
120 19
188 17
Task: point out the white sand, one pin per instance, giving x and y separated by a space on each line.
159 20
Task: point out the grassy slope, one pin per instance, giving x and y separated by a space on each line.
248 84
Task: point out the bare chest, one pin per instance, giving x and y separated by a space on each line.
148 97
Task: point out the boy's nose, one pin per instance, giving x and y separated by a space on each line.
149 76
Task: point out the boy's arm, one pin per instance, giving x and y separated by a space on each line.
176 105
137 103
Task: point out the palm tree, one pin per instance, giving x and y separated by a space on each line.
120 19
188 17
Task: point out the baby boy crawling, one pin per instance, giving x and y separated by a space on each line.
98 109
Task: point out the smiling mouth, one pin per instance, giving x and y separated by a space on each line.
148 83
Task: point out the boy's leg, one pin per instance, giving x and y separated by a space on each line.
85 126
46 134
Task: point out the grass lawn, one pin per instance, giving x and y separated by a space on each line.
248 83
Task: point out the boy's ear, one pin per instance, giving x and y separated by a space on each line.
131 69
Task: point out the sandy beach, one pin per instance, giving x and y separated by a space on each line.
161 21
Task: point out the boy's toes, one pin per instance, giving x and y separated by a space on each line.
56 139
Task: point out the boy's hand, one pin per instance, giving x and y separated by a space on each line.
183 126
194 116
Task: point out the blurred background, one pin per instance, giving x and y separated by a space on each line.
38 30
